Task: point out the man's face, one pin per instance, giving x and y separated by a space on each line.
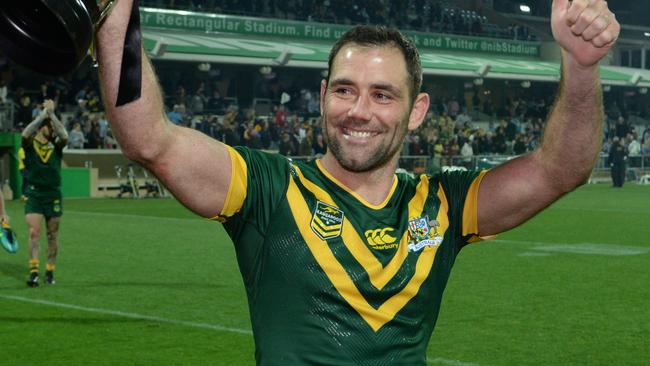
46 131
366 106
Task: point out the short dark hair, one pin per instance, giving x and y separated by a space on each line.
371 35
46 122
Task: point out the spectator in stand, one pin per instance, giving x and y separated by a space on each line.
109 141
633 150
102 122
177 114
519 146
645 142
93 139
280 118
252 137
417 146
23 113
211 127
82 93
463 118
4 90
230 134
616 161
215 102
499 140
467 152
94 103
198 101
76 138
453 107
621 128
306 144
319 145
287 146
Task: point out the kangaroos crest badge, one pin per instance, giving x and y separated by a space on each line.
327 221
423 232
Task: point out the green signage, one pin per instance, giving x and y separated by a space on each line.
212 23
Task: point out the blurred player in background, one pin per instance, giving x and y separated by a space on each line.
43 141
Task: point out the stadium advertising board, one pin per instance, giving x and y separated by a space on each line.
261 27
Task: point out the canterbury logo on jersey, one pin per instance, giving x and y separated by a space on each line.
327 221
44 151
381 238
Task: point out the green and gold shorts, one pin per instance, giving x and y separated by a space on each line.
48 205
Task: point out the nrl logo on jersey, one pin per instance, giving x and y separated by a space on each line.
327 221
422 233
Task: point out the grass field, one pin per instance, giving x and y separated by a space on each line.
143 282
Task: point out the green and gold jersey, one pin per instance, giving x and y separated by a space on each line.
43 164
334 280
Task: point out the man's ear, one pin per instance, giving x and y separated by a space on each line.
323 88
418 111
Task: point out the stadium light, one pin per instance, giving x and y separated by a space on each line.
159 48
483 70
524 8
607 88
283 59
525 84
478 81
634 80
647 34
643 91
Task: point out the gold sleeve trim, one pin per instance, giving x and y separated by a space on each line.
238 186
470 210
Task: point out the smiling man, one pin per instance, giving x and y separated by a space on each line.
344 261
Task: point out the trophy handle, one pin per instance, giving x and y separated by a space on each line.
106 6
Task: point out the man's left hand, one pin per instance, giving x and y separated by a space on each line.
586 29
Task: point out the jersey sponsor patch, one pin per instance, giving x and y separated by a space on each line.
381 239
422 233
327 221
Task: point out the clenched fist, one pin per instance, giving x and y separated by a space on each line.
586 29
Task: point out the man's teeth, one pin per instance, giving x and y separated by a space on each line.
359 133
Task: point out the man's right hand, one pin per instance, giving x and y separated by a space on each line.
48 106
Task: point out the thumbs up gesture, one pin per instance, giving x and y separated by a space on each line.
585 29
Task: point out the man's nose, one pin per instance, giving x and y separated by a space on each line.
360 110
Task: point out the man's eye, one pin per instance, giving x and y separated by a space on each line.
342 91
383 97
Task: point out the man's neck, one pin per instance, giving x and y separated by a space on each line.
373 186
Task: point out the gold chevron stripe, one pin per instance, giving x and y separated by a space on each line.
378 274
376 318
326 234
44 151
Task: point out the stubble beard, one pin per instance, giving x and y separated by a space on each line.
378 157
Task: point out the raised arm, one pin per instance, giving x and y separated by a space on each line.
514 192
57 126
194 167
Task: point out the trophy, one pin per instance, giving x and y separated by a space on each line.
51 37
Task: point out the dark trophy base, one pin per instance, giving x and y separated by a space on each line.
50 37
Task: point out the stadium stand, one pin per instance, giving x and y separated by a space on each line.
472 123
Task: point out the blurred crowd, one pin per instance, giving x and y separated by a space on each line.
450 131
